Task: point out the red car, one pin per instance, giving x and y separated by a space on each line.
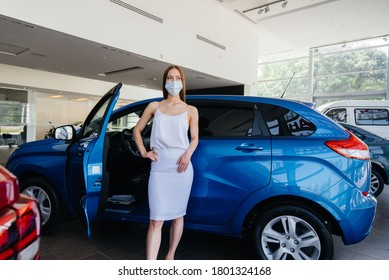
20 221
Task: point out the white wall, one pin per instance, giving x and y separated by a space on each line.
173 41
61 112
46 81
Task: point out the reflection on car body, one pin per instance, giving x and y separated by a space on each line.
269 170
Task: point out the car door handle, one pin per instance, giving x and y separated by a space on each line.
248 147
82 147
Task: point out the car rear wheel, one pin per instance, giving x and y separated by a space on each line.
291 232
377 183
47 200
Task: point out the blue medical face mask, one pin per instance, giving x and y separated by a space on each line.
173 87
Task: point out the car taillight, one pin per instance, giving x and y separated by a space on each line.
29 227
9 188
8 234
351 147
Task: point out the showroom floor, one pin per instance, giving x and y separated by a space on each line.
120 241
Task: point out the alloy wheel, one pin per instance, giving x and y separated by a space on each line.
43 200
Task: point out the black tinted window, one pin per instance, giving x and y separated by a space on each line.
284 122
225 121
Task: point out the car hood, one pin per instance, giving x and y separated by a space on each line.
49 143
46 146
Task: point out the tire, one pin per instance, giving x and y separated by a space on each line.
47 199
291 232
377 183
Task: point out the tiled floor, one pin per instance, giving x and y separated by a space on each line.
120 241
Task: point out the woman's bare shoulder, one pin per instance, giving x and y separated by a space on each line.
150 109
153 106
192 109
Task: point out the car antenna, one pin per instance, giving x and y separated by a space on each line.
282 95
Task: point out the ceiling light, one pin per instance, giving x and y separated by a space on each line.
13 50
56 96
120 71
266 7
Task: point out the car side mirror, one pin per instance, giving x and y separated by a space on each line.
64 132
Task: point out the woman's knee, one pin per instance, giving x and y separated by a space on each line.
178 221
156 225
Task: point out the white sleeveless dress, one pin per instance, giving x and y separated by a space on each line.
168 189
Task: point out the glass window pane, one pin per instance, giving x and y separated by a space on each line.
225 122
284 122
371 116
347 70
284 75
339 115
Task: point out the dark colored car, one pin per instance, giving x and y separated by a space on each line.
379 156
20 222
270 170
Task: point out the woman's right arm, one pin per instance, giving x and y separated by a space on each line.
148 113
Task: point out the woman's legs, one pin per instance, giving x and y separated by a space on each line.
153 239
176 230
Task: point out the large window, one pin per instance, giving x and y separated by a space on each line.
284 76
14 112
355 70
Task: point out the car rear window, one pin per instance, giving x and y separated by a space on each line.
284 122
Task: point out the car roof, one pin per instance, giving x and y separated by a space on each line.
353 103
298 107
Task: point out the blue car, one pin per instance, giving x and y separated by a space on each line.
271 171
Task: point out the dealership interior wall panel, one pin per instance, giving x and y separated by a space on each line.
174 31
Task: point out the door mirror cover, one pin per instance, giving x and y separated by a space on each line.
64 132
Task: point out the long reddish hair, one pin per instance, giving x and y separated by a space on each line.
183 90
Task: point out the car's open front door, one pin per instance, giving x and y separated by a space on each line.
92 147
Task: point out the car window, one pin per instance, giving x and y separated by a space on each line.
338 115
284 122
127 121
225 121
92 128
371 116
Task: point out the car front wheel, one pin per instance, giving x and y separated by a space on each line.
291 232
46 197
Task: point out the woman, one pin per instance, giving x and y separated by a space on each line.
171 172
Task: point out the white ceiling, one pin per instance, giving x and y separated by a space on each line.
302 24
